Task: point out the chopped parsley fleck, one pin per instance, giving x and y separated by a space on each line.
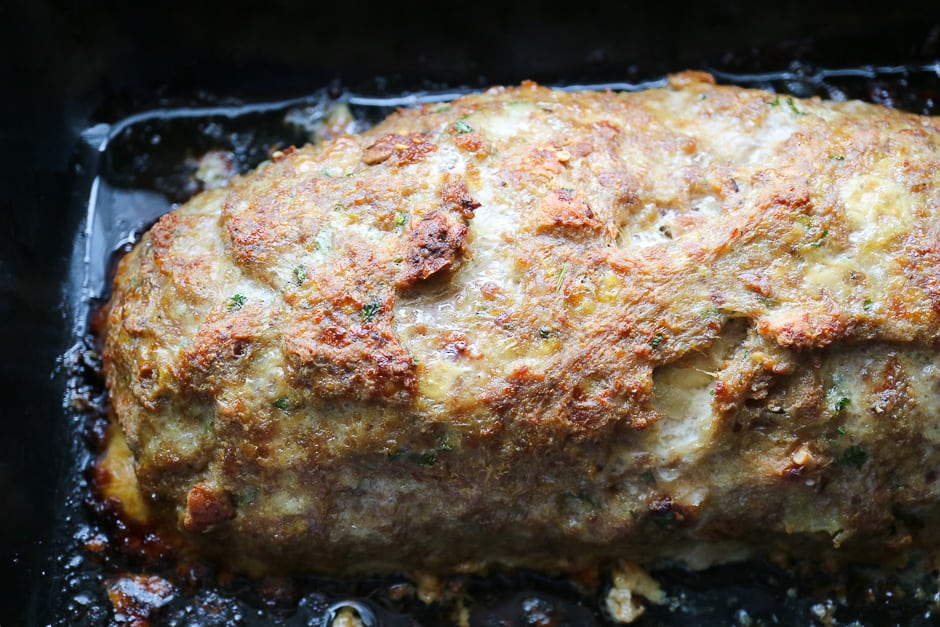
822 236
369 311
657 340
841 430
282 403
462 127
666 519
842 403
774 102
793 108
426 458
300 274
547 332
446 444
236 302
561 275
400 219
854 456
868 304
837 157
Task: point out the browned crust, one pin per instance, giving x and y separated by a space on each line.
488 319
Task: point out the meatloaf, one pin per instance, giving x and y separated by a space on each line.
546 329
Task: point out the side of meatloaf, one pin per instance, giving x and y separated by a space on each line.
541 329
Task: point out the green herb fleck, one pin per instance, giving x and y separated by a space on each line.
841 430
446 444
854 456
282 403
822 236
657 340
300 272
369 311
648 477
462 127
868 304
547 332
842 403
247 498
774 102
666 519
793 108
561 275
400 219
710 312
837 157
236 302
426 458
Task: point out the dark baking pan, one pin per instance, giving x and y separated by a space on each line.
77 73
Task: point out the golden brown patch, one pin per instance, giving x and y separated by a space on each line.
407 148
456 198
163 233
804 329
206 506
561 210
690 78
336 358
471 142
434 244
222 348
